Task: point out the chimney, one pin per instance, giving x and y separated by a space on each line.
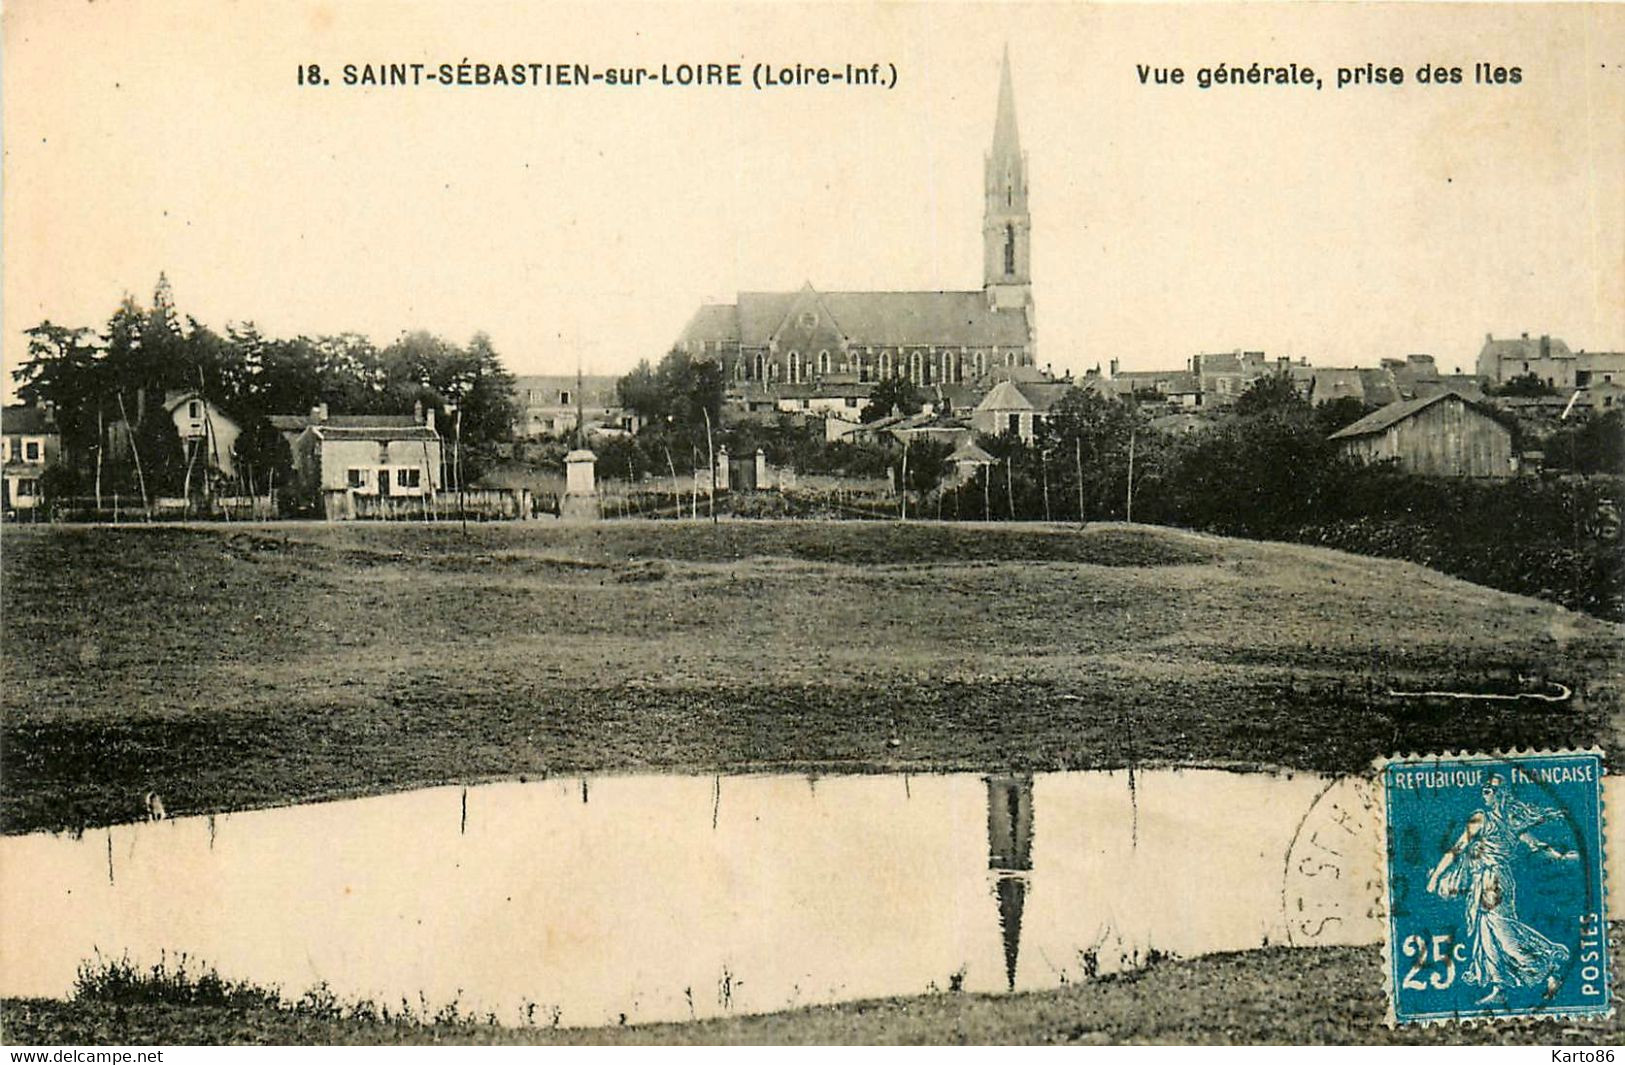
417 411
1196 365
318 413
1526 336
1113 365
428 418
1545 346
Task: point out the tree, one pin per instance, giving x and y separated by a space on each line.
692 390
64 368
1093 431
1271 392
639 392
1340 413
892 394
1528 385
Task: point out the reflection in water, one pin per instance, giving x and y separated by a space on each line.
1009 857
511 895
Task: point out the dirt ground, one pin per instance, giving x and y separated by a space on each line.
228 667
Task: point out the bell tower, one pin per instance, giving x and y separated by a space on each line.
1006 225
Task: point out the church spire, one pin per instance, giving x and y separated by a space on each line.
1006 225
1006 138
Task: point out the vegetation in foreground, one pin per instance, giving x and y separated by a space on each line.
1272 995
228 667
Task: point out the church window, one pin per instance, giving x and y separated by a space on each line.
795 367
823 361
1009 250
914 367
1010 357
885 365
981 363
761 367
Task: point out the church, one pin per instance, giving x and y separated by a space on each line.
972 337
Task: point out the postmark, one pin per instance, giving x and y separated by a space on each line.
1494 887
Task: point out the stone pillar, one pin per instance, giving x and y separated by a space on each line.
761 470
722 468
580 502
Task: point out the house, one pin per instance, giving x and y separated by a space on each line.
1549 360
1018 407
968 461
29 442
843 400
208 435
551 404
368 455
1443 435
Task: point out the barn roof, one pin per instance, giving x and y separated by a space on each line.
1380 421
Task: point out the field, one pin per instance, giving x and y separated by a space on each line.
232 666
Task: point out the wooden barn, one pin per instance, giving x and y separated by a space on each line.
1443 435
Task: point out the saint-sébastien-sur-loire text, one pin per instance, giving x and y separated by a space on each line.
467 73
1359 75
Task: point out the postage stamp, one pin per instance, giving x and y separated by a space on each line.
1493 869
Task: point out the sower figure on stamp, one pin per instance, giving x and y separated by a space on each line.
1506 953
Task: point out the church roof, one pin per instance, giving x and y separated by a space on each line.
713 321
879 319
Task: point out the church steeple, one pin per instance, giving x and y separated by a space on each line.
1006 224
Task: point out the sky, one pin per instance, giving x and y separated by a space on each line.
583 225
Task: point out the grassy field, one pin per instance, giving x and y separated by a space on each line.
1273 995
230 666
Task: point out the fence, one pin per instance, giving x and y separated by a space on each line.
475 504
117 508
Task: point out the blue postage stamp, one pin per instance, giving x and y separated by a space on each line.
1493 865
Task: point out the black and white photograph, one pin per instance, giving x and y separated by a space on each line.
700 523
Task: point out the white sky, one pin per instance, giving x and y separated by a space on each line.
588 223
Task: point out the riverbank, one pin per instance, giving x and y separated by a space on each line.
1273 995
228 667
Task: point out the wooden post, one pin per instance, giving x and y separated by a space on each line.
136 454
1010 484
676 492
1043 468
1129 508
902 482
100 441
711 461
1079 455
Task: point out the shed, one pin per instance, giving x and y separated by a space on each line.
1443 435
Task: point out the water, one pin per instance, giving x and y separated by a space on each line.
668 897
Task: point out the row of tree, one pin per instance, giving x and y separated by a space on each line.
112 381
